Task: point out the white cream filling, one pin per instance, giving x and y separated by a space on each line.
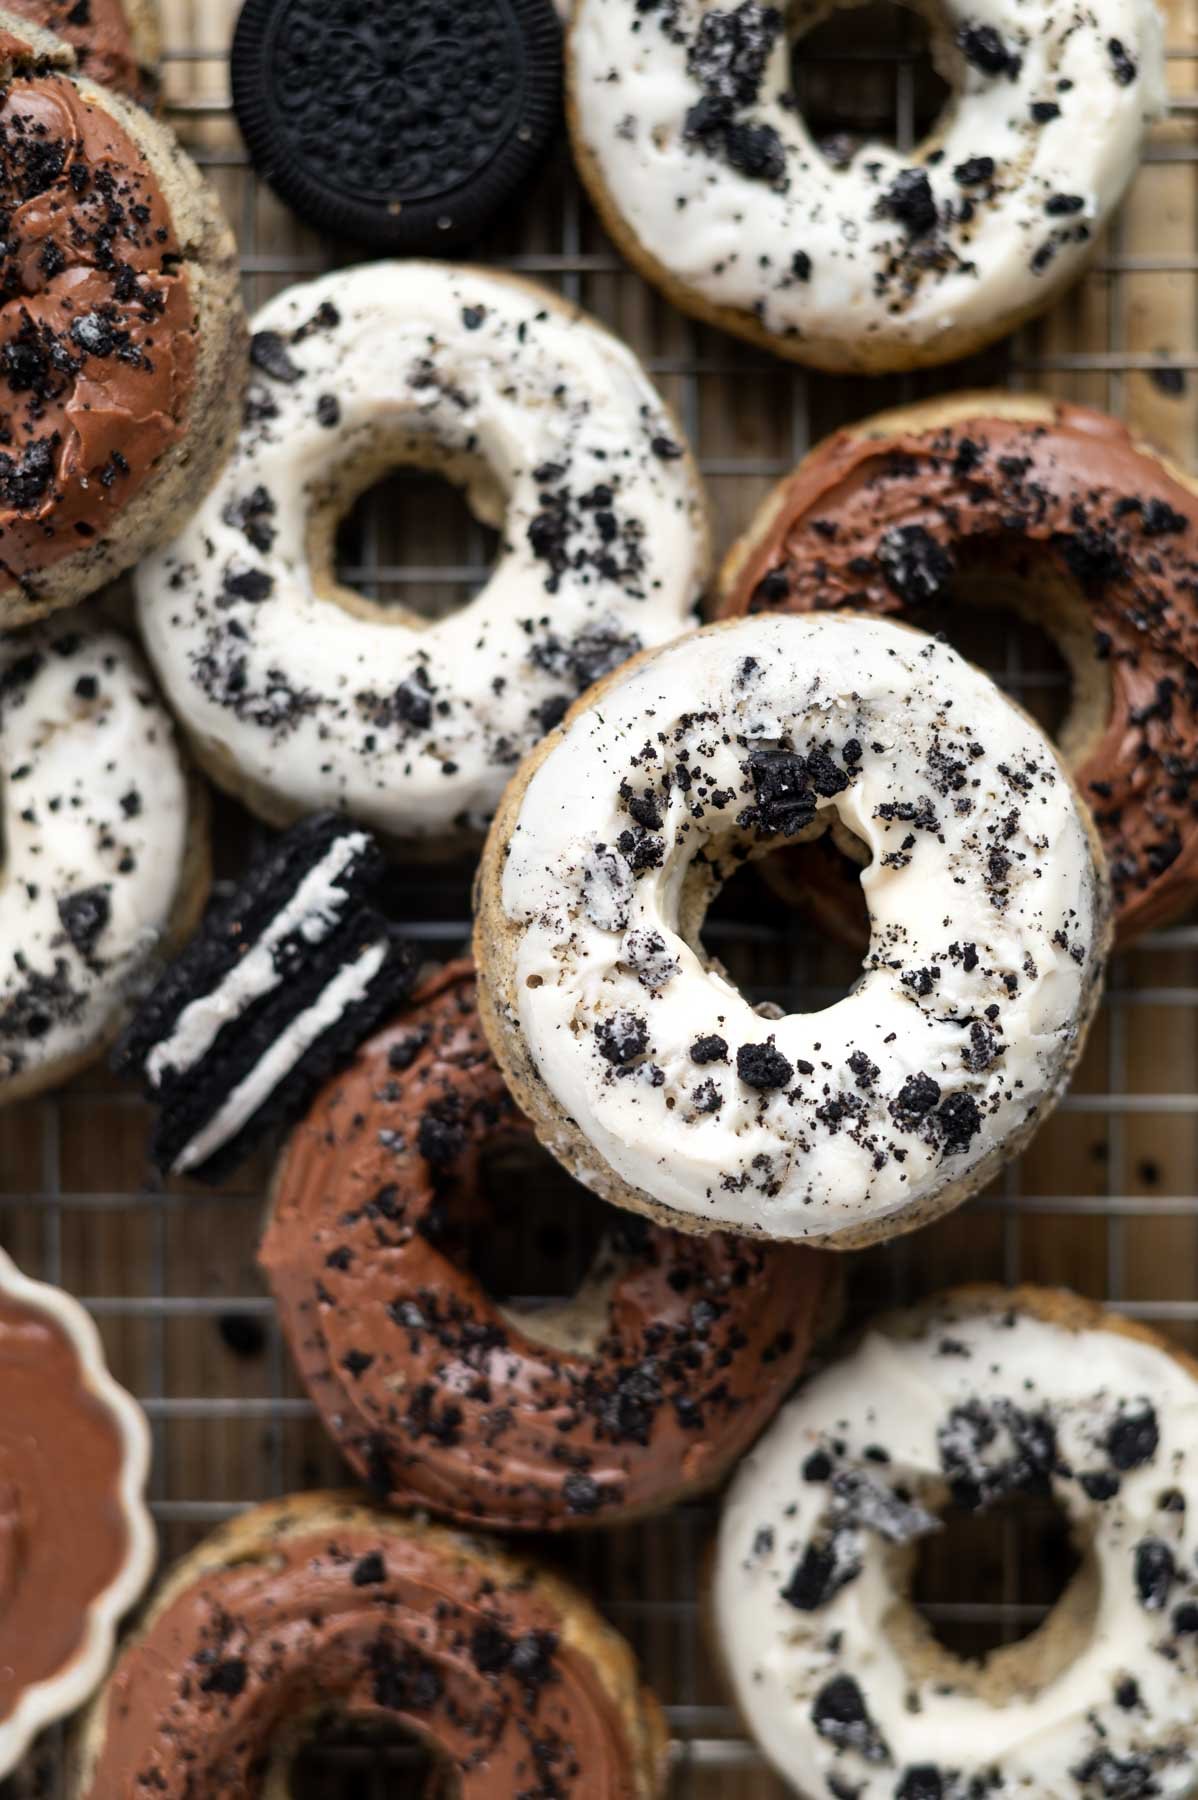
347 987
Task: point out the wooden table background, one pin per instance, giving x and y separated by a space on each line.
1103 1201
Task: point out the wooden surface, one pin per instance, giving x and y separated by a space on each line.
1103 1201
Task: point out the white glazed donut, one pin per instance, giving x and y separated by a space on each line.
685 129
299 695
644 1068
981 1397
102 854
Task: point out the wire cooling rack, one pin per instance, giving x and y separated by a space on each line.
1104 1200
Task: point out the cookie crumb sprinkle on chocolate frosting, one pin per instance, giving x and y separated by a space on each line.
642 1387
317 1608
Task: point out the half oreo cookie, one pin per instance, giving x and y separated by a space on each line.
283 980
406 124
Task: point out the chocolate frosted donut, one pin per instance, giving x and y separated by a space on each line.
116 42
315 1607
1063 516
642 1389
76 1543
120 330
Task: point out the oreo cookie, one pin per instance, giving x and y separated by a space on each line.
286 976
406 124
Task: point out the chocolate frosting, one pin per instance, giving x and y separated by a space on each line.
435 1395
97 31
393 1624
97 326
884 524
63 1537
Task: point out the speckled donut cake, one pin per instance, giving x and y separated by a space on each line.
685 130
986 1396
116 42
285 977
1057 512
120 338
645 1070
316 1607
103 846
299 693
639 1391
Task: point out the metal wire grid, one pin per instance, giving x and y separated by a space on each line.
1103 1200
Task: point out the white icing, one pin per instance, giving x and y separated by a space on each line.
313 910
300 694
897 1393
347 987
732 239
93 797
779 1161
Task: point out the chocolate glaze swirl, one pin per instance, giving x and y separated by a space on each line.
63 1537
436 1395
97 325
301 1615
887 522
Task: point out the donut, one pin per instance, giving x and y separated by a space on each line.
640 1391
299 694
318 1606
1058 512
104 844
409 127
76 1542
686 132
983 1396
642 1067
116 42
287 974
120 330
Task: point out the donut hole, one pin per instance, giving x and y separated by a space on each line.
546 1251
348 1759
1014 613
394 540
788 928
868 75
999 1601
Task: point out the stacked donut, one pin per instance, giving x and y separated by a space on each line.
612 763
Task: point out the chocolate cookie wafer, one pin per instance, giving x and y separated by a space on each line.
283 980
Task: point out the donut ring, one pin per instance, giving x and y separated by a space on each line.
642 1067
298 694
60 1409
685 132
1072 521
638 1393
104 843
316 1606
980 1396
